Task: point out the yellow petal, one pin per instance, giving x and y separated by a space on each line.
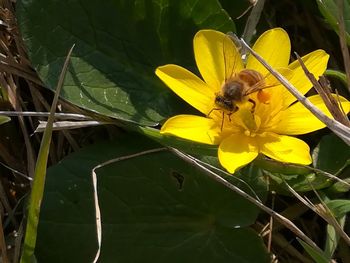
187 86
194 128
209 52
316 63
236 151
274 47
299 120
284 148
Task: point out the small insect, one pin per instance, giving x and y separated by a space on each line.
238 86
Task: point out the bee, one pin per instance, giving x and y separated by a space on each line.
238 86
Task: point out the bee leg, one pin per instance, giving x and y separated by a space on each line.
208 115
253 104
223 118
229 116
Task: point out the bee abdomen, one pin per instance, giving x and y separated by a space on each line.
250 76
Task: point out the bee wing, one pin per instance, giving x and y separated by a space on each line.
232 57
269 81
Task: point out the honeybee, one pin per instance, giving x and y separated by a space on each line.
238 86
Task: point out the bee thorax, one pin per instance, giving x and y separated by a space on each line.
233 90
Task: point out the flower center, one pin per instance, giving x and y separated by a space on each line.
249 122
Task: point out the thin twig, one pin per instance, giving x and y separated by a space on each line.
16 172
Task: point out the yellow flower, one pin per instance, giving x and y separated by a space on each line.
265 119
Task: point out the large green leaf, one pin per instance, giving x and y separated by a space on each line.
155 208
119 43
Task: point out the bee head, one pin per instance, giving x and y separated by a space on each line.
224 103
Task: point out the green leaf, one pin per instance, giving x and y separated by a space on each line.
300 183
339 187
119 44
339 207
330 11
337 75
331 154
4 119
155 208
315 255
332 238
